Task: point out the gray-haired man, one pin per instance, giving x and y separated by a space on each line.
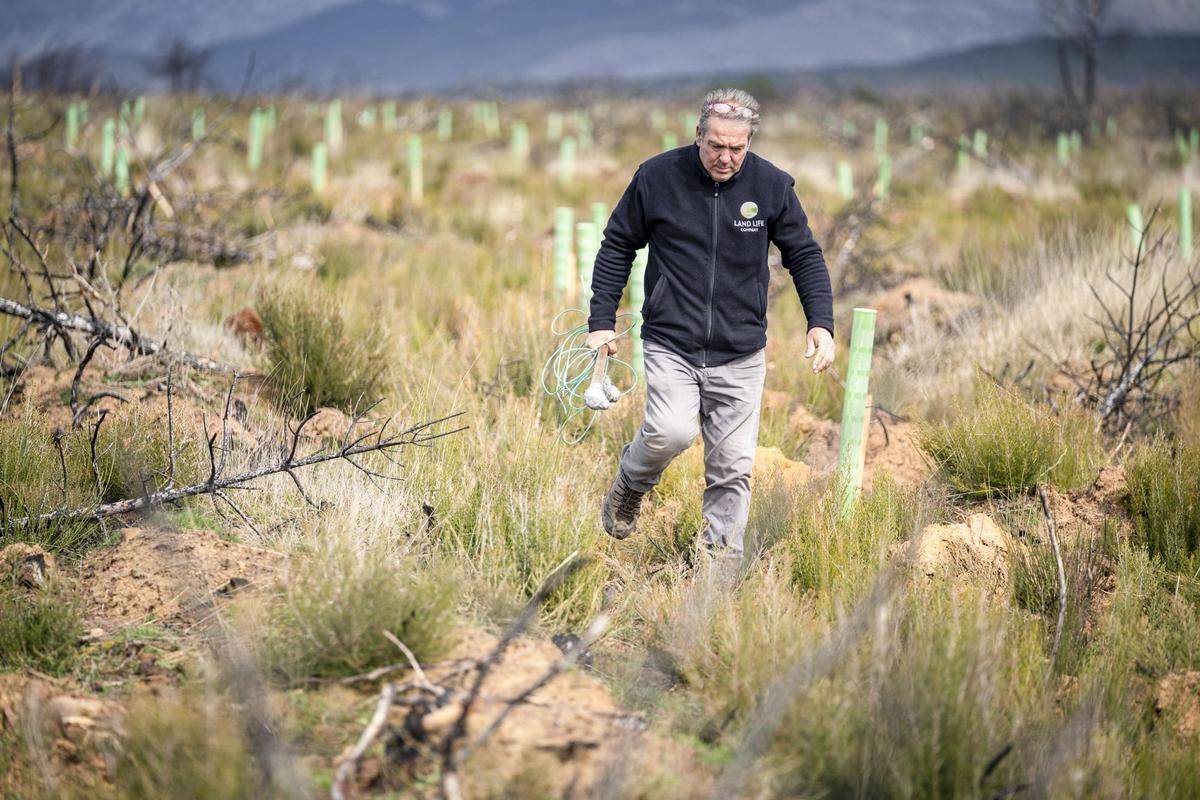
708 212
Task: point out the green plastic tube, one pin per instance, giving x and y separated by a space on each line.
854 405
416 175
845 180
72 126
197 124
1137 230
108 147
564 231
254 141
566 160
333 126
320 160
520 140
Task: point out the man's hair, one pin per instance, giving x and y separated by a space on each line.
734 97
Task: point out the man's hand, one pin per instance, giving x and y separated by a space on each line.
820 343
597 338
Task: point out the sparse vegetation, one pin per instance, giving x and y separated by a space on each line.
133 457
39 628
330 613
1004 445
185 745
1164 496
314 355
862 679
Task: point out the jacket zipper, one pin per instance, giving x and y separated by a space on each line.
712 274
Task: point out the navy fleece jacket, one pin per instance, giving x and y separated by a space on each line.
706 277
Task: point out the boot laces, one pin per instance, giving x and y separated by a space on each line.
629 502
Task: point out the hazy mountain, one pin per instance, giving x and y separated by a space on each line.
1124 61
421 44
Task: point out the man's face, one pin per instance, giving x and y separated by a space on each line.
724 147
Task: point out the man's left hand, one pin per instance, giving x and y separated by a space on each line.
820 344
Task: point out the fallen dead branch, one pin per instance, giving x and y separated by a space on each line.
218 483
127 337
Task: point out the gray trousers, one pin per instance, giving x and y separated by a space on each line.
723 404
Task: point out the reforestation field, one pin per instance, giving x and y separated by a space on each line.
286 511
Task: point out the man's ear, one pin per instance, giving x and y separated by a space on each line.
698 136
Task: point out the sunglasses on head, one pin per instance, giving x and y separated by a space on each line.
729 108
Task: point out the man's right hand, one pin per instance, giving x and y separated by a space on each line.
597 338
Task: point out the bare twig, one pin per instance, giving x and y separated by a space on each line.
450 758
349 764
412 660
1062 575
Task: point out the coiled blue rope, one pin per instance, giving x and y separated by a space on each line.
568 372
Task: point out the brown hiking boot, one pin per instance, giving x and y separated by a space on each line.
620 509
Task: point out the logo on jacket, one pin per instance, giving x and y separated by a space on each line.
748 223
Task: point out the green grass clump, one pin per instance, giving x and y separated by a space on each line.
943 683
31 483
133 453
39 629
311 350
1003 446
331 611
1164 496
185 747
912 704
1035 587
338 259
832 552
31 470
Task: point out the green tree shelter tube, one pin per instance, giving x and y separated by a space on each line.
854 406
320 158
416 175
564 232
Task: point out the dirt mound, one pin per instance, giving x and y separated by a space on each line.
172 577
328 423
919 304
891 445
48 391
76 735
771 464
1086 511
1178 698
570 732
978 548
32 566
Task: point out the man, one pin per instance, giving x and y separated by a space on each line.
708 212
